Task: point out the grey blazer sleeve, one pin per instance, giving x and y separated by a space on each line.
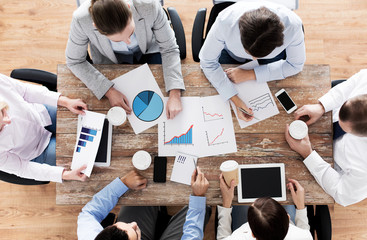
169 50
76 52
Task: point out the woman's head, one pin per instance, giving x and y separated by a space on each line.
110 16
4 118
268 219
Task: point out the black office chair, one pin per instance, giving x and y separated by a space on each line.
47 79
319 221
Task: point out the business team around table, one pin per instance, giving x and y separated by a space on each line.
137 31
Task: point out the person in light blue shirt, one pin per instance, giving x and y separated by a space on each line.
135 223
246 31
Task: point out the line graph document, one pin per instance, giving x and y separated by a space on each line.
203 128
258 97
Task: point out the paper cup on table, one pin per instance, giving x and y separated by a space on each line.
229 170
142 160
298 129
116 116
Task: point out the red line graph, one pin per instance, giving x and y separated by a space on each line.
180 135
217 136
213 115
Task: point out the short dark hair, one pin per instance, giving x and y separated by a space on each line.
268 220
110 16
354 111
112 233
261 32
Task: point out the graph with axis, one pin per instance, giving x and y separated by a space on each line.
183 139
261 102
217 139
211 116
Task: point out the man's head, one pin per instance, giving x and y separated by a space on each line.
113 18
120 231
261 32
4 117
268 219
353 116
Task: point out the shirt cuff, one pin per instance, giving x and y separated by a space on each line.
224 210
301 212
262 74
197 202
327 102
118 187
53 98
313 160
56 174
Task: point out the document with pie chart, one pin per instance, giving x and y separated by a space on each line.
144 96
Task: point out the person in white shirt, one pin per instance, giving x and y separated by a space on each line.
28 128
346 182
267 219
261 31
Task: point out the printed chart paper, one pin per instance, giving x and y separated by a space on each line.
258 97
183 168
89 134
203 128
144 96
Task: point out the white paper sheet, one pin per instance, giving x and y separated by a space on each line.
203 128
89 134
148 109
258 97
183 168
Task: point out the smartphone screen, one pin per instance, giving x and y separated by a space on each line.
286 101
160 169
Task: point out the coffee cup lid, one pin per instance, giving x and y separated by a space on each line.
142 160
116 116
298 129
228 165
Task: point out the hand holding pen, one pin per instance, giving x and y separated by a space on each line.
243 112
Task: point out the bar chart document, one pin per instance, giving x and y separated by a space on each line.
89 134
258 97
203 128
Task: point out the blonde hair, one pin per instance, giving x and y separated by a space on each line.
3 105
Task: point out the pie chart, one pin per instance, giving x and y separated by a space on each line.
148 106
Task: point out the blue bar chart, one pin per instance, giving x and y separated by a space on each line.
185 138
86 135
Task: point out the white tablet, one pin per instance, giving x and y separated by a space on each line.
261 180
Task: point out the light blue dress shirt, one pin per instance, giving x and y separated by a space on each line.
89 220
225 34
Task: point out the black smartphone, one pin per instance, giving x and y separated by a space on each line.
286 101
160 169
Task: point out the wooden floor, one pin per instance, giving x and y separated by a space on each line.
33 34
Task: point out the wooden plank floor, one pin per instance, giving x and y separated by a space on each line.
34 33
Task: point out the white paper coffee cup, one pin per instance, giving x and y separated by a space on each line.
116 116
298 129
142 160
229 170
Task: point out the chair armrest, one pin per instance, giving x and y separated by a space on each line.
47 79
197 38
11 178
179 31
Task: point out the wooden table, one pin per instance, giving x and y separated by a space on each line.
263 142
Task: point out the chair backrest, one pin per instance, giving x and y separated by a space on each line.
291 4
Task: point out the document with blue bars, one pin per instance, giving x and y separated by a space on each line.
89 134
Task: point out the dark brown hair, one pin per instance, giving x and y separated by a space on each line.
354 111
261 32
268 220
110 16
112 233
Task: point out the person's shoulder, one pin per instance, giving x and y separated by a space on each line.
83 11
145 5
296 233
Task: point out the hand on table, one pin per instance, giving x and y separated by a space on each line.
240 104
227 192
118 99
302 147
75 174
134 180
238 75
314 112
298 193
74 105
199 183
174 105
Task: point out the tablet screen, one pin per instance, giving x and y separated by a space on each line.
261 182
